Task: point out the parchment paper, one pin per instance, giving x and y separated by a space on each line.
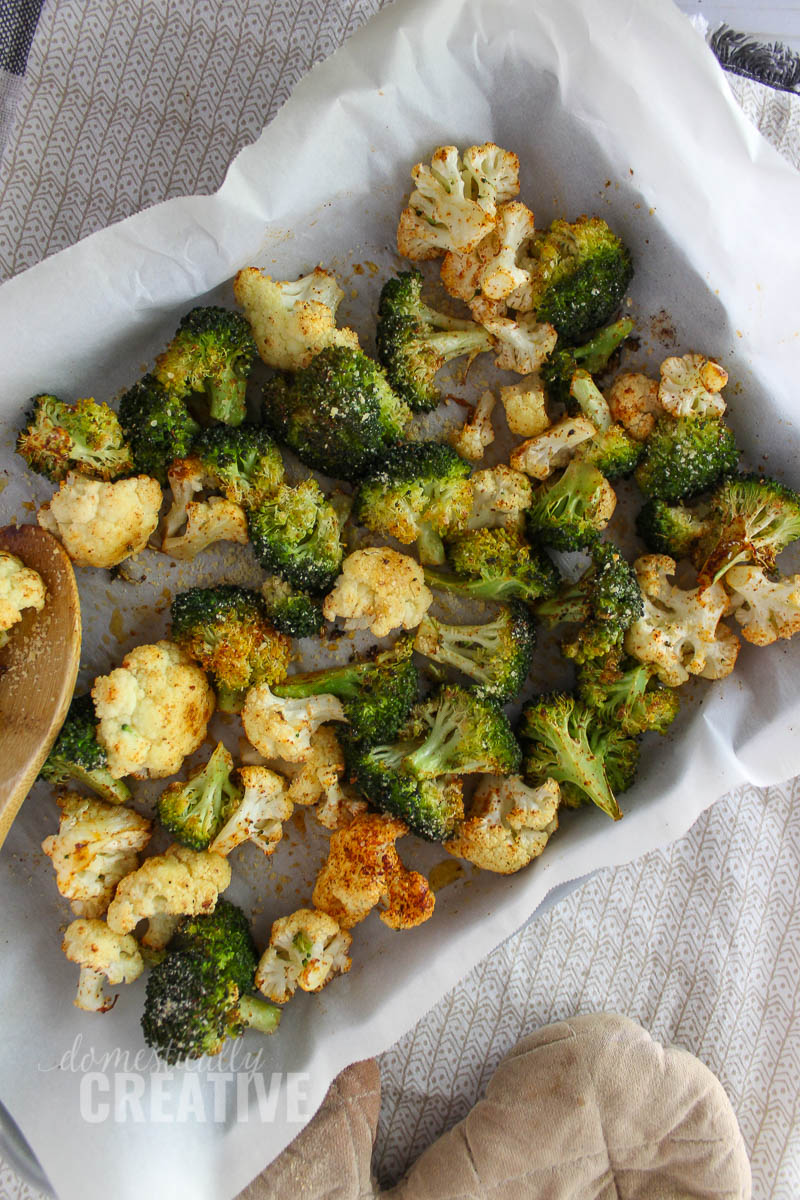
614 107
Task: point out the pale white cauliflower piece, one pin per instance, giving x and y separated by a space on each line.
97 844
305 950
363 869
633 401
292 321
101 955
525 404
501 274
179 882
101 524
318 782
543 454
471 439
379 589
260 814
691 386
494 173
20 587
766 609
283 728
153 711
509 824
680 631
186 478
500 496
522 345
207 522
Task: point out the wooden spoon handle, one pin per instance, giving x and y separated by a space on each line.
38 668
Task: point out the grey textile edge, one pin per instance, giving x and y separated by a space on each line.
771 63
18 21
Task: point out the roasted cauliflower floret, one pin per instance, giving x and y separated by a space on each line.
502 277
101 955
179 882
500 496
186 479
766 609
153 711
633 402
281 728
305 951
207 522
680 631
101 524
509 824
690 386
379 589
471 439
292 321
20 587
97 844
319 782
525 404
521 345
545 453
363 869
260 814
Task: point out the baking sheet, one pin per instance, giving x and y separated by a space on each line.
614 107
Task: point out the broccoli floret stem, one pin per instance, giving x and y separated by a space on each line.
99 779
467 648
446 346
570 604
344 682
591 400
227 397
430 546
229 700
259 1014
594 354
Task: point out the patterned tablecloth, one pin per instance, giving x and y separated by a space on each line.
124 105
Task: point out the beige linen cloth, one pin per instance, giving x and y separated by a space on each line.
586 1109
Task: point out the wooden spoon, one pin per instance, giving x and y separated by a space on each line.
38 667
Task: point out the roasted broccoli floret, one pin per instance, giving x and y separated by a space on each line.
672 529
85 437
376 694
243 462
684 456
613 452
430 807
415 341
192 1006
497 654
568 512
194 811
626 694
223 936
593 356
458 732
296 533
338 414
419 493
606 600
495 564
564 740
78 756
211 353
292 612
751 520
579 273
158 426
226 629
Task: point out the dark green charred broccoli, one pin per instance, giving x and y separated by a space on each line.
192 1006
158 426
684 456
294 613
565 740
497 654
593 357
672 529
78 757
613 452
626 695
495 564
376 694
420 492
195 811
430 807
751 520
568 512
296 533
85 437
211 353
338 414
223 936
227 630
243 462
415 341
606 600
579 274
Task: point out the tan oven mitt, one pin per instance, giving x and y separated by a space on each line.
586 1109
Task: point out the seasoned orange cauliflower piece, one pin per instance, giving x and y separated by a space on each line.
292 321
690 386
208 521
766 609
379 589
633 401
179 882
283 728
101 955
471 439
509 823
97 844
260 814
500 496
305 950
543 454
100 524
20 587
318 782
